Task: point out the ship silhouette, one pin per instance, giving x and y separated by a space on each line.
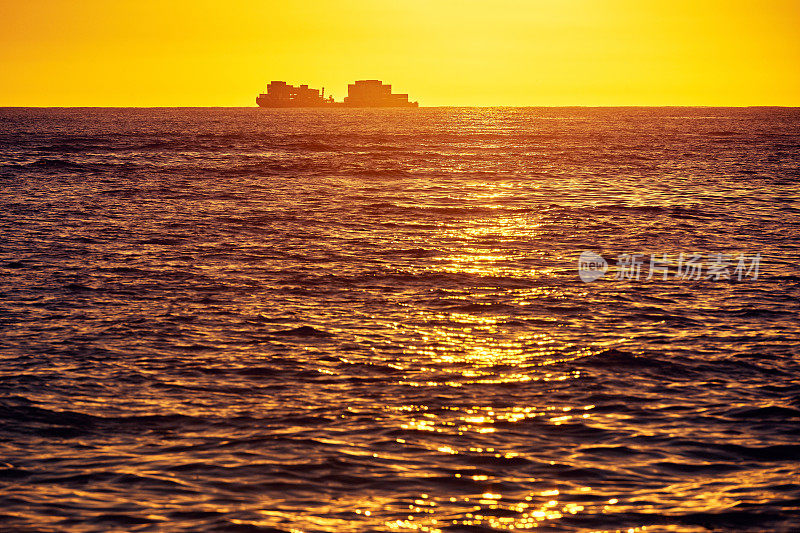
362 93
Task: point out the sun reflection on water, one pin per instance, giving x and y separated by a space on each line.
492 509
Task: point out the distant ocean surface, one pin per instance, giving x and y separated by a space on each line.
345 320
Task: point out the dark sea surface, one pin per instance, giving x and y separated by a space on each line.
373 320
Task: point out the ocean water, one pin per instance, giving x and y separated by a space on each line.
375 320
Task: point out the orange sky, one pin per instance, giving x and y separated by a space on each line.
442 52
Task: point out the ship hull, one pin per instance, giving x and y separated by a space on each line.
279 105
270 102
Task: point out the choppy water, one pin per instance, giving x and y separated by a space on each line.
344 320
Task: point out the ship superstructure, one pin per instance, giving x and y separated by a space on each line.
281 94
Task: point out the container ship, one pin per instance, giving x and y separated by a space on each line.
363 93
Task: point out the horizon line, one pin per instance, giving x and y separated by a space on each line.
707 106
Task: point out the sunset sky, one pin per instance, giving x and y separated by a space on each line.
442 52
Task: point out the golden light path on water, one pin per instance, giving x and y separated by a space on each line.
468 349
